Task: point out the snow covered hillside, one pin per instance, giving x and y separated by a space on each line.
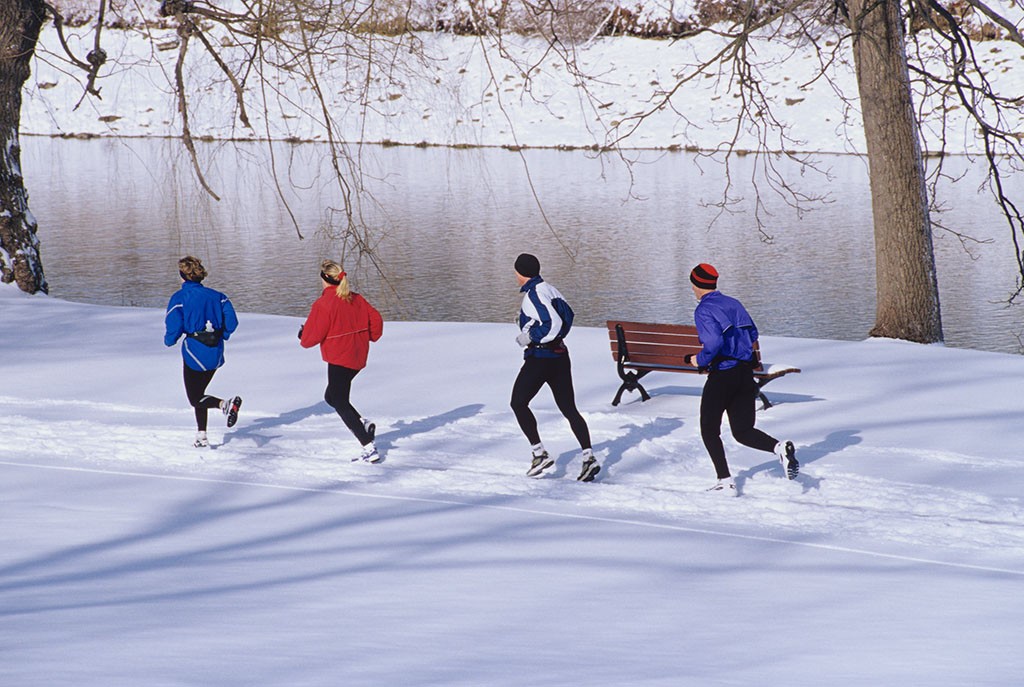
463 90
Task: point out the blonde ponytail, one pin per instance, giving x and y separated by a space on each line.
333 272
343 290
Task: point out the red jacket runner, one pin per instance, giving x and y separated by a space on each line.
344 329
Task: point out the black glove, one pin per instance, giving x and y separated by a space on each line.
301 327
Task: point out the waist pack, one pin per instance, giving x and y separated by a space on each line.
208 338
555 346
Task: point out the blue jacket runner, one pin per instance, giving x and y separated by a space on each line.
726 331
188 312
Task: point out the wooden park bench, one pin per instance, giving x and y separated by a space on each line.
640 348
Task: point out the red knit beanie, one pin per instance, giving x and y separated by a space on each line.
704 276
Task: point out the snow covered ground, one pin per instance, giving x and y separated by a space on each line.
130 558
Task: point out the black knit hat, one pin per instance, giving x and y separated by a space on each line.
704 276
528 265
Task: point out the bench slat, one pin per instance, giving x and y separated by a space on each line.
659 338
655 360
635 348
652 327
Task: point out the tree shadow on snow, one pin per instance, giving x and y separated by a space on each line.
806 455
610 452
255 429
404 429
265 529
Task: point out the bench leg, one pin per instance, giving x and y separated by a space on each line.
644 396
765 403
631 382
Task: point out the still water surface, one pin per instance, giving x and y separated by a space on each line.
114 216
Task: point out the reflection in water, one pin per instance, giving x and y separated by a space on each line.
115 215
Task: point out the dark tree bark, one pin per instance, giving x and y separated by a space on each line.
907 287
20 22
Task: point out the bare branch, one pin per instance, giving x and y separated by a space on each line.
968 83
185 31
1003 22
96 58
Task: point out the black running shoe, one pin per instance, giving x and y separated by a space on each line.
787 456
233 406
590 470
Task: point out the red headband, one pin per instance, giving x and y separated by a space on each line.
332 280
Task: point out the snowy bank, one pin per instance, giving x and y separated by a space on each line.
458 91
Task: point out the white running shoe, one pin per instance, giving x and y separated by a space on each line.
201 440
370 454
787 456
725 486
539 464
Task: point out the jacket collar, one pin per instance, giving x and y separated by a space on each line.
713 294
532 283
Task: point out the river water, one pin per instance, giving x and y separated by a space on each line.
115 215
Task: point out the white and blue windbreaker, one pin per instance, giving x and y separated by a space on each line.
545 316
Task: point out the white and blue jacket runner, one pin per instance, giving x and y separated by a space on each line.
546 317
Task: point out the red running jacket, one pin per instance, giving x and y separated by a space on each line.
344 329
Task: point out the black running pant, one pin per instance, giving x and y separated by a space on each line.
556 373
732 392
196 382
339 387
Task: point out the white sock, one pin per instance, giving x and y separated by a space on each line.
537 449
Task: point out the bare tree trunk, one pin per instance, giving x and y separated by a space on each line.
908 294
20 22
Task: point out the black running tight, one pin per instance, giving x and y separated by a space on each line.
557 374
730 392
339 387
196 382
